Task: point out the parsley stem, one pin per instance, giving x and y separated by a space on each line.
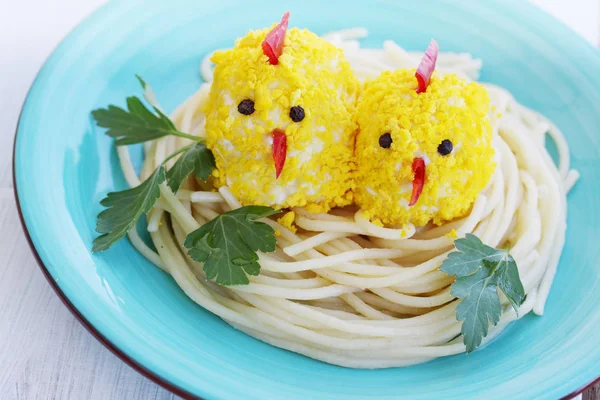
185 135
181 150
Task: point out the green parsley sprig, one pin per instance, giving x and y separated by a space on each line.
137 125
480 271
228 244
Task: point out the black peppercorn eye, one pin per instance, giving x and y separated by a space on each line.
445 147
385 140
246 107
297 113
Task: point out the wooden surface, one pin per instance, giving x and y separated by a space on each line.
44 352
593 393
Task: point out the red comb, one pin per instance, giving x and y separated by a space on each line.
426 66
273 44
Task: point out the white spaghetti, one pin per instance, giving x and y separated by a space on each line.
349 292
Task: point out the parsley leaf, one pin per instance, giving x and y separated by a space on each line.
229 243
124 208
137 124
480 271
197 158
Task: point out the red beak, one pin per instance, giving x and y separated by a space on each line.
279 150
418 167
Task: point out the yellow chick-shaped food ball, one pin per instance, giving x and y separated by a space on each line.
422 156
280 120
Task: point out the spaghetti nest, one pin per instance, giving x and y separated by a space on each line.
345 291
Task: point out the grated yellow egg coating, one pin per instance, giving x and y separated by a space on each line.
451 109
312 74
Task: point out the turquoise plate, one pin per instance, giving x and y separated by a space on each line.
64 166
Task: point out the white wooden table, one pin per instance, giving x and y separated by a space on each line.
44 352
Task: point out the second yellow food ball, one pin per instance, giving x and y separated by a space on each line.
442 135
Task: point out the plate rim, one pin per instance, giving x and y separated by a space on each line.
96 334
